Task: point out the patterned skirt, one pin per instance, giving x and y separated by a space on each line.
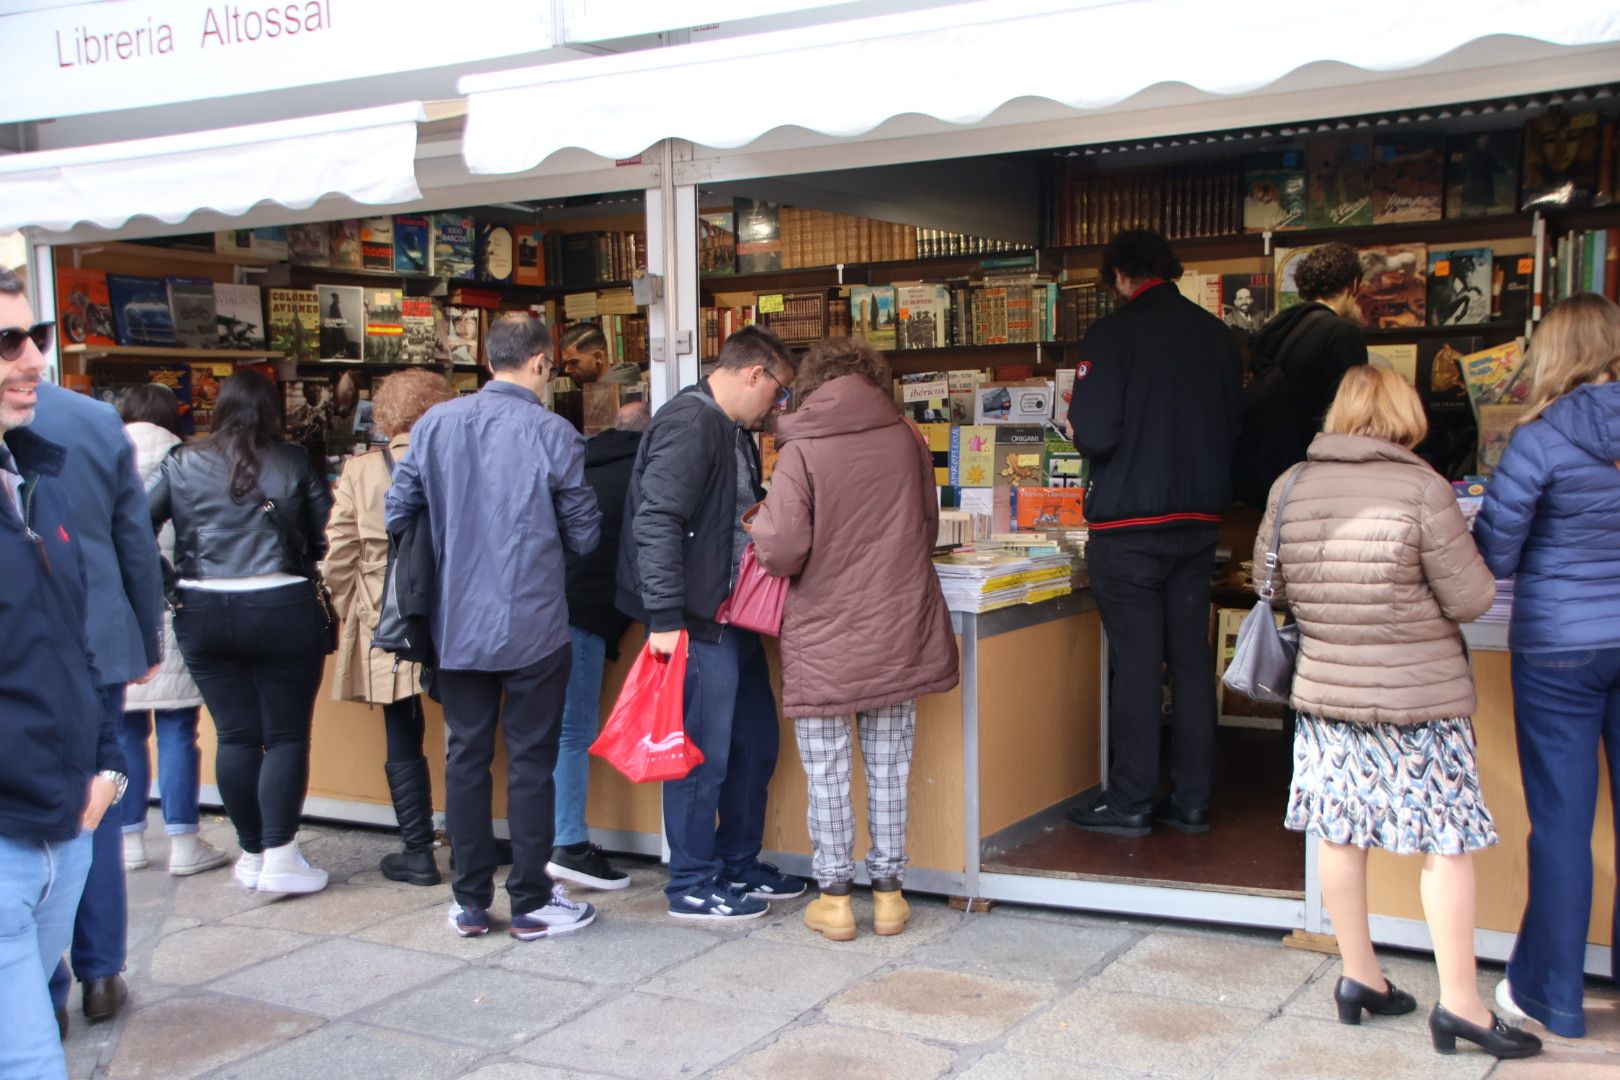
1410 790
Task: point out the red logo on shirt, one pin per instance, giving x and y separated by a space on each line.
1082 369
62 534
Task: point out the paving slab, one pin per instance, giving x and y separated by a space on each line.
941 1005
1042 950
1009 1066
931 919
523 1070
1161 1036
1413 973
648 1035
825 1051
1561 1064
428 929
1234 973
355 1050
1293 1048
214 897
612 951
185 1037
486 1007
204 953
333 978
338 909
767 975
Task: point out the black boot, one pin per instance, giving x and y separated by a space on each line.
411 790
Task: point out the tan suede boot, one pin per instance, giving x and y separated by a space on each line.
890 912
830 915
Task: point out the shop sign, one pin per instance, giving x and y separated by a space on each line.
70 59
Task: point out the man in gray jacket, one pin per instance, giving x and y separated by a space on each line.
502 481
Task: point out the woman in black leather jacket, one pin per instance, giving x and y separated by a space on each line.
249 514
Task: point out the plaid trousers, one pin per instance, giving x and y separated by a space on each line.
887 736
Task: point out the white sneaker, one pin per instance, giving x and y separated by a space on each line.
191 854
287 871
560 916
134 851
1505 1002
248 868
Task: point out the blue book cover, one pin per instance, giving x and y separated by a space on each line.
141 310
454 240
413 244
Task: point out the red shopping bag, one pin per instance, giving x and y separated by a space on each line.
645 737
756 601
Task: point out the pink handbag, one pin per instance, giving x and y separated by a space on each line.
757 599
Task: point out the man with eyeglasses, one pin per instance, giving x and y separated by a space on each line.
696 474
60 765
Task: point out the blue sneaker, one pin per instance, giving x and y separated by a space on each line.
762 881
716 902
560 916
468 921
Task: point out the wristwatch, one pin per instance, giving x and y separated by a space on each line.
118 780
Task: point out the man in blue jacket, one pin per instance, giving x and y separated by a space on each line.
107 512
60 766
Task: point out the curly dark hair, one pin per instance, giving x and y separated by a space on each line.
1139 254
835 357
1328 270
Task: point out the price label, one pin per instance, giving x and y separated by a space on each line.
771 304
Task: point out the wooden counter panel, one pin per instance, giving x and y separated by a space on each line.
1502 871
1039 718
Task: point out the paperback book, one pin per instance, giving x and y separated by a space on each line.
310 245
1408 180
419 319
413 244
238 316
1482 174
460 335
343 321
1489 373
1459 287
1401 359
345 247
495 252
191 304
294 323
1560 160
529 255
377 244
454 245
1394 286
1340 181
385 327
1274 191
972 457
1246 300
873 315
1286 261
205 382
922 315
140 307
1512 281
83 307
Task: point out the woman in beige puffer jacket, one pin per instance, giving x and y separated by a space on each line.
1377 566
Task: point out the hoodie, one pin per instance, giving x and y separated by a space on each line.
1552 519
609 458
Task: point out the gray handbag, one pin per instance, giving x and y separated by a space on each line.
1262 664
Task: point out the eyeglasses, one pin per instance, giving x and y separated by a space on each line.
12 339
784 394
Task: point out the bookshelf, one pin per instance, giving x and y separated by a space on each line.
148 352
121 250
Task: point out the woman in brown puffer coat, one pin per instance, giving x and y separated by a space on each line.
1376 563
852 517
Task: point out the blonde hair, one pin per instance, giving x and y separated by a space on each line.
404 396
1576 344
1378 403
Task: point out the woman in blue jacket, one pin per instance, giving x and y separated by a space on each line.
1552 517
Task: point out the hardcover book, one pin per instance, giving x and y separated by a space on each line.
1274 191
1051 507
419 317
238 316
1022 403
310 245
1440 375
385 326
413 244
963 385
1394 286
1459 287
1287 261
454 245
1401 359
461 335
529 255
83 308
925 396
1407 180
377 244
1340 182
345 247
759 237
1513 277
1560 160
307 415
343 321
922 316
1482 174
294 324
495 252
191 305
972 455
1496 424
872 314
1246 300
140 307
717 243
205 381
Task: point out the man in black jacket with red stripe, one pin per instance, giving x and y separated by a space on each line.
1157 396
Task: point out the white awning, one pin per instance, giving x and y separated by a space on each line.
961 64
367 156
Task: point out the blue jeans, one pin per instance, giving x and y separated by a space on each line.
178 765
731 715
580 720
1563 704
40 885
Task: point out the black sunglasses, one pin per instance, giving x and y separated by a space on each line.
13 337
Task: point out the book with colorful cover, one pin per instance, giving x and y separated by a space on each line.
1287 260
495 252
1394 286
140 307
205 383
419 318
345 250
377 244
310 245
84 313
343 321
461 335
191 305
268 242
238 316
1560 160
413 244
455 246
1274 190
1050 507
529 255
873 315
1459 286
385 326
1408 180
1497 422
972 455
1487 374
1339 181
922 313
1061 464
925 396
293 323
1482 174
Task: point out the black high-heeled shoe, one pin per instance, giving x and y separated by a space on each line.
1352 997
1498 1040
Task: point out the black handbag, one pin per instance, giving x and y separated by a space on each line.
1262 664
300 547
406 636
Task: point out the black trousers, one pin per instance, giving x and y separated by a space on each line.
527 704
1152 589
257 657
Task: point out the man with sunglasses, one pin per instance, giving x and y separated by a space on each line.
60 766
697 472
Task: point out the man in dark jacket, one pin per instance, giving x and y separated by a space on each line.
595 626
1155 409
107 507
696 474
60 766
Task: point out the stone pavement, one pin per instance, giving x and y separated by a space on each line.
365 980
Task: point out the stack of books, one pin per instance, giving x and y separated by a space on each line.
987 579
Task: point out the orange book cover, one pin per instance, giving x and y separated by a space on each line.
84 311
1051 508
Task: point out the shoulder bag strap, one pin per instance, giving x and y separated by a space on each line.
1272 558
293 535
388 459
1293 335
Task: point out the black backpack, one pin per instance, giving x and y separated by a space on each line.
402 623
1268 438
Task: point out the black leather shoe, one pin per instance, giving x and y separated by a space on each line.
411 867
1168 814
1352 997
1102 818
61 1024
1498 1040
104 997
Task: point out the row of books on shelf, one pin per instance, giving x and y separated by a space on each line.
758 236
448 245
1340 180
1585 261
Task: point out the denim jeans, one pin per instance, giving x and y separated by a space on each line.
730 713
40 885
1563 704
178 764
580 720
